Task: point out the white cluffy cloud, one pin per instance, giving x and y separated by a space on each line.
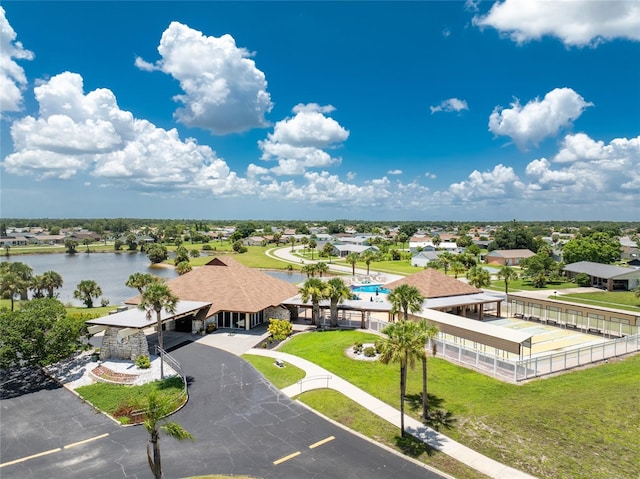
575 22
451 104
224 91
538 119
299 143
77 132
585 166
12 77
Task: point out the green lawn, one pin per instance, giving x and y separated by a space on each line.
578 425
280 377
345 411
112 397
611 299
525 285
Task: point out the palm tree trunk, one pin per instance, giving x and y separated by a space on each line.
403 387
153 456
334 315
161 345
425 398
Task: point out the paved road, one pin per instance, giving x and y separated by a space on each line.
242 425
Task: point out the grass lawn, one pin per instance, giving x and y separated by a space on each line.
611 299
345 411
113 397
525 285
577 425
280 377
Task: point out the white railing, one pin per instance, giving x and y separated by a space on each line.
323 377
522 369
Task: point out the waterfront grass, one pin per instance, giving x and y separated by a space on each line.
280 377
578 425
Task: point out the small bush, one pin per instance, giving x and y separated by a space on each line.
583 279
206 247
211 327
357 348
378 346
369 352
143 362
280 329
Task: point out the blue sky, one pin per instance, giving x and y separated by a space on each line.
330 110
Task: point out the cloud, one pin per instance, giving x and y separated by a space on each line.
394 172
299 143
224 92
77 132
585 166
497 183
431 176
538 119
12 77
452 104
576 23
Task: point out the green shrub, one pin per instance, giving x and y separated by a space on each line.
206 247
143 362
280 329
369 351
211 327
583 279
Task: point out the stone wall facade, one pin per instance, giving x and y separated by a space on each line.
278 312
123 348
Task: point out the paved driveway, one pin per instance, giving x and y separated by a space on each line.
241 423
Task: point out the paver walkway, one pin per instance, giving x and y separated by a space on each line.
317 377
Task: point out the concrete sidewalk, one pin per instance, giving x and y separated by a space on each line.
317 377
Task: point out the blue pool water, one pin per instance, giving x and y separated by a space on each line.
370 288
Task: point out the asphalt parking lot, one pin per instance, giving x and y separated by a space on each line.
242 425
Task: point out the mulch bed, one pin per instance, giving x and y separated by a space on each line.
102 372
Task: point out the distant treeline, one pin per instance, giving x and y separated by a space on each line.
122 225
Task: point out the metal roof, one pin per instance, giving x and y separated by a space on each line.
599 270
137 318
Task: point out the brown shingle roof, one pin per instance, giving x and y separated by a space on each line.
433 284
231 286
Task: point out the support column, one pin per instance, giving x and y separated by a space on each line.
481 311
498 305
247 321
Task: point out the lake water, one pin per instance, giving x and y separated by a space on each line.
109 270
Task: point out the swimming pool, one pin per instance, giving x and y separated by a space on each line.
370 288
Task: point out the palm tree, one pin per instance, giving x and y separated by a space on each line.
183 267
154 422
86 290
507 273
327 249
51 281
456 268
305 241
337 292
38 287
367 256
10 285
156 297
140 281
353 259
445 259
402 345
479 277
292 240
313 290
309 269
313 244
406 299
427 333
87 242
321 268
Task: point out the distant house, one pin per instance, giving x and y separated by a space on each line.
606 276
343 250
423 258
255 241
508 257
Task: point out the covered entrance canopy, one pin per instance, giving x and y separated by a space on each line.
124 336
